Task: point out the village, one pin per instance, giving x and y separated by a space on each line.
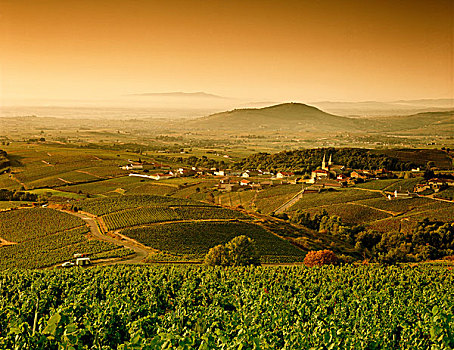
327 176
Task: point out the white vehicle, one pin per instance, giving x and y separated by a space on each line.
83 261
67 264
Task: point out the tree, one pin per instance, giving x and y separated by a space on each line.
217 255
242 251
319 258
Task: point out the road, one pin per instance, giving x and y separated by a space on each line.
140 251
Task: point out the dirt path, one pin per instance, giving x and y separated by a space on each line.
141 252
4 242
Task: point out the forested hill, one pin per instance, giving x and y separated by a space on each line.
4 161
310 159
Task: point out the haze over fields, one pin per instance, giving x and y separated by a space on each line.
221 55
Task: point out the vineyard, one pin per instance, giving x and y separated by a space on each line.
397 205
268 200
196 238
208 213
56 248
135 217
103 206
351 213
124 307
25 224
332 197
46 237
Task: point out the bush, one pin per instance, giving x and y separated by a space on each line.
240 251
319 258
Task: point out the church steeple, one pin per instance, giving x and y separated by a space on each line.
324 162
330 162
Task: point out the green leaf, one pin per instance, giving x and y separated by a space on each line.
52 324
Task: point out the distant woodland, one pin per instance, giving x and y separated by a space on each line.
306 160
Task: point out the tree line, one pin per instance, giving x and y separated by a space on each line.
426 241
4 161
7 195
307 160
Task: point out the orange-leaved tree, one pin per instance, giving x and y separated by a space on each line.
319 258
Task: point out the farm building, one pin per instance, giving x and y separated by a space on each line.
282 174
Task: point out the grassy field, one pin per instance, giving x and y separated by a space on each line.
8 183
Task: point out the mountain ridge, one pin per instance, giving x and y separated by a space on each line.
198 94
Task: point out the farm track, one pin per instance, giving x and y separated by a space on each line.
368 206
290 202
4 242
65 181
140 251
88 173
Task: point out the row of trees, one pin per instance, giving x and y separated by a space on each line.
7 195
199 162
427 240
307 160
4 161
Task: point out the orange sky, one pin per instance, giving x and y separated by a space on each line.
258 50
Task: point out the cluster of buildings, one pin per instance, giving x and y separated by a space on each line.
333 175
328 175
435 184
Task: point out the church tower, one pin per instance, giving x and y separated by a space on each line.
324 162
330 162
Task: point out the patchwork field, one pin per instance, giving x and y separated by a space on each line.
326 198
351 213
194 239
43 165
269 199
103 206
41 237
375 210
181 228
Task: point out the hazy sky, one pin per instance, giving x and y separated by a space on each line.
259 50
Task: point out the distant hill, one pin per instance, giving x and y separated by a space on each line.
294 116
302 117
179 94
391 108
428 123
